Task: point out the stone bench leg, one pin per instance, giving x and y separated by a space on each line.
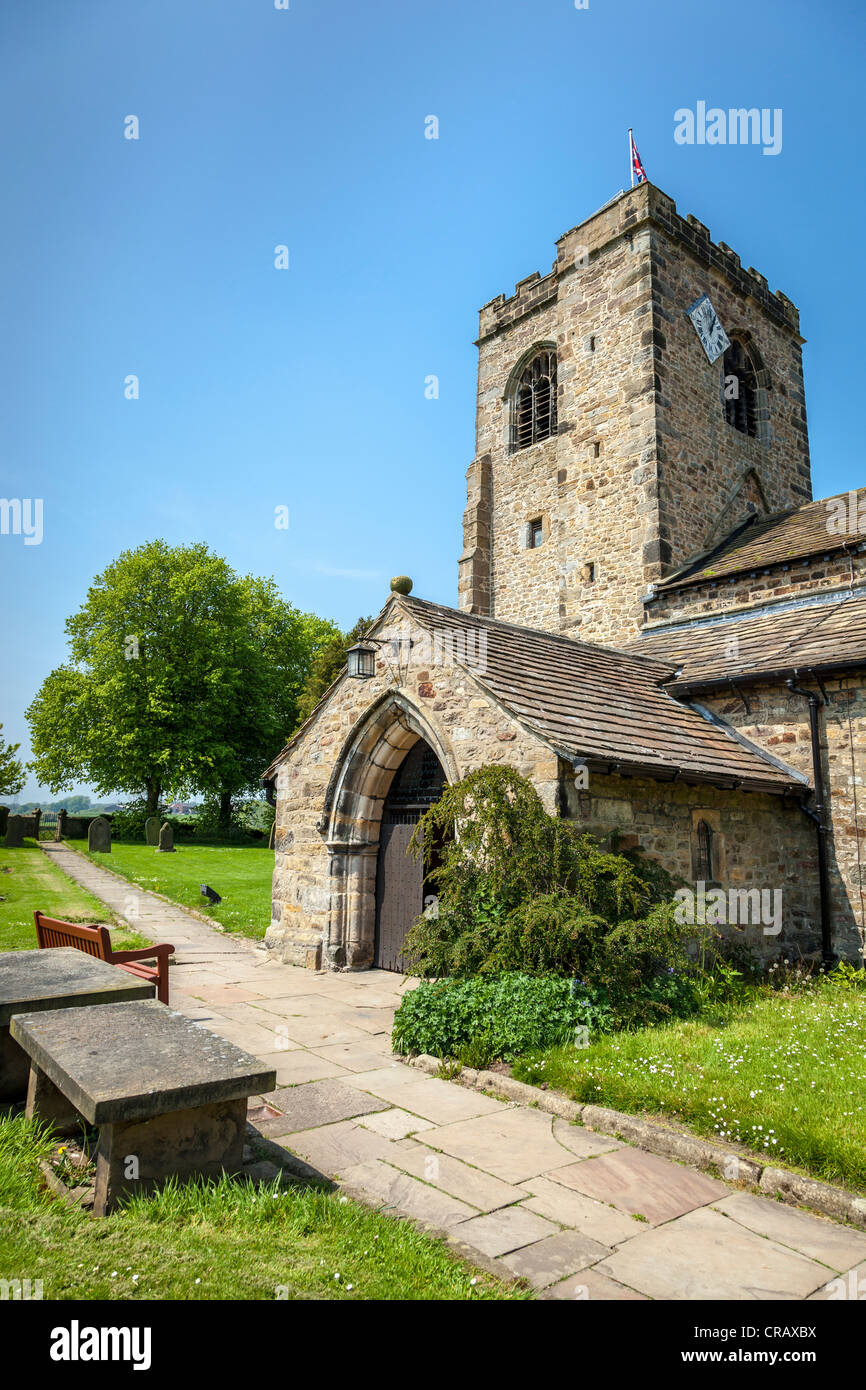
14 1069
136 1156
45 1102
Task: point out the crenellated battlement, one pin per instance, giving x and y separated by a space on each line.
630 211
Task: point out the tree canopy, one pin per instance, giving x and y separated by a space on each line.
327 664
11 770
181 677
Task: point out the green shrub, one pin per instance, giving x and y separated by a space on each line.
846 976
128 822
494 1017
518 888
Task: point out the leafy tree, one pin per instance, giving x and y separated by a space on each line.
11 770
279 647
181 677
327 663
71 803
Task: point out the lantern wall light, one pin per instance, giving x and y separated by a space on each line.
361 659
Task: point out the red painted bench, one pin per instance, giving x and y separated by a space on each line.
96 941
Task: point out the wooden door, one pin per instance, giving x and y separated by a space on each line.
400 877
399 887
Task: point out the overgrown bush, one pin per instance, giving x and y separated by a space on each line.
520 889
209 826
254 816
494 844
487 1018
128 822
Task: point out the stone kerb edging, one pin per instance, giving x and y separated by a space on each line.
658 1138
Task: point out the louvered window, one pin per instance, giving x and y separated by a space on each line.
534 403
740 388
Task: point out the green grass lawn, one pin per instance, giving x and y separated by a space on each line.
30 882
222 1240
241 874
784 1074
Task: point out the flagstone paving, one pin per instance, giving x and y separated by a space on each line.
579 1215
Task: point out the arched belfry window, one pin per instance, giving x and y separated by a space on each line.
740 390
533 403
704 853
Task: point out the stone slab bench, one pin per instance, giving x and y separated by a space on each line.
168 1096
64 978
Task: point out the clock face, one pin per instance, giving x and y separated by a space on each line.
714 339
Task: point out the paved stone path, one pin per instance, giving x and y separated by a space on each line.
578 1214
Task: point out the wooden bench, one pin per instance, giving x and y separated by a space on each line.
96 941
168 1096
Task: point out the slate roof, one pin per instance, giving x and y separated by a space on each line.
766 541
595 704
818 636
606 707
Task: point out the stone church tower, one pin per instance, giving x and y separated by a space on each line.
610 450
658 627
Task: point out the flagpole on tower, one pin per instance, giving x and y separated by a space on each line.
630 156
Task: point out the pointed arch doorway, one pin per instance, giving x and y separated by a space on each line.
402 879
351 823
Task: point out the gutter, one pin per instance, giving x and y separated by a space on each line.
817 813
681 690
611 766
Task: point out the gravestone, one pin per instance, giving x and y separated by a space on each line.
166 840
14 832
273 835
4 818
61 824
151 830
99 836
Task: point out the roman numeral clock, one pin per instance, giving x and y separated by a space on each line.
714 339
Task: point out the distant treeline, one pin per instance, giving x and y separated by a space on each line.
73 804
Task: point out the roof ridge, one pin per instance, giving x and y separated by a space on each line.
574 643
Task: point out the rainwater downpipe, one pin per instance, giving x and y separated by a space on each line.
818 813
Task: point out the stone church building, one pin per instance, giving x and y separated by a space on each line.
656 623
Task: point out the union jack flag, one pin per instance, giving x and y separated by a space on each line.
638 171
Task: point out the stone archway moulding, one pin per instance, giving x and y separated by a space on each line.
352 814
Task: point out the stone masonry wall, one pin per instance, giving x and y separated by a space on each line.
643 463
761 842
702 459
595 478
825 574
778 720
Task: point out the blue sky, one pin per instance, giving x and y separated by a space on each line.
306 388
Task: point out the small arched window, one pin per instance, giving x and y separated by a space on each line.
740 390
704 855
533 404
